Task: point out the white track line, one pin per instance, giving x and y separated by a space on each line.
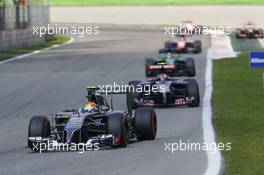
214 158
222 47
261 41
35 52
229 45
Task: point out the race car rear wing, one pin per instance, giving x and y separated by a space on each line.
169 50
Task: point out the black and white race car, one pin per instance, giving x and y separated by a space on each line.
166 91
96 123
182 45
249 31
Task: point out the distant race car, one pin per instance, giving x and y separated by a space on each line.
188 27
249 31
94 123
171 64
182 45
171 92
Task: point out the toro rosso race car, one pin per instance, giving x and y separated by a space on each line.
170 64
182 45
95 123
249 31
166 91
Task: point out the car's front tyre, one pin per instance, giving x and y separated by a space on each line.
39 126
117 126
190 67
197 47
193 91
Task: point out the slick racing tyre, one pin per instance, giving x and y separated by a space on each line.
197 46
200 29
39 126
193 91
145 123
190 67
117 126
168 45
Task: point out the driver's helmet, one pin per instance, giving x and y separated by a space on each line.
168 55
249 24
183 38
162 77
89 107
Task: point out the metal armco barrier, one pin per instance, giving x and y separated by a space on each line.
21 14
2 16
7 15
17 17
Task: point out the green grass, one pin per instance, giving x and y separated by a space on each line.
238 103
152 2
15 52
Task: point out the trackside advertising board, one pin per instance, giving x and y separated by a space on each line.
256 59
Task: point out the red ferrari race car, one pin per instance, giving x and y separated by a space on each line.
249 31
182 45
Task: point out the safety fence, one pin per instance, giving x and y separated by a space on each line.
22 14
17 18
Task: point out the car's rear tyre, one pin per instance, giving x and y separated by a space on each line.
193 91
167 45
190 67
39 126
150 61
117 126
200 29
197 46
145 123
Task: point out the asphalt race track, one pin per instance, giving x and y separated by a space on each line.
55 79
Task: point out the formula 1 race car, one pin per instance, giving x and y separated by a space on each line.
188 28
182 45
95 123
170 64
249 31
168 92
